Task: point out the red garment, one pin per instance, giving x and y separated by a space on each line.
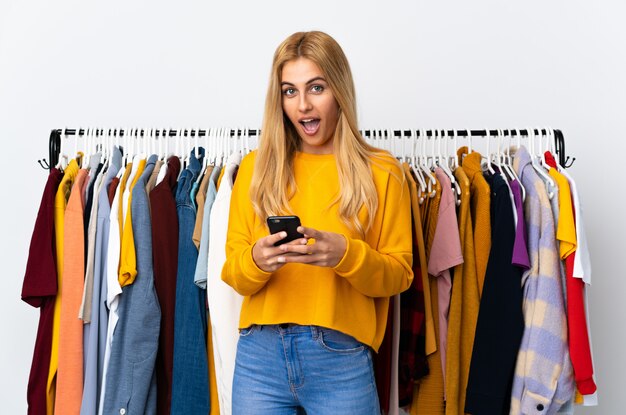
579 349
39 290
112 188
165 256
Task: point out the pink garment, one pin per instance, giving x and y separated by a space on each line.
445 253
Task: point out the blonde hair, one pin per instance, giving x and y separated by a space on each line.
273 183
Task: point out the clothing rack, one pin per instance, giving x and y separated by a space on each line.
559 140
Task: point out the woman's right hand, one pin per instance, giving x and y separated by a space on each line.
265 254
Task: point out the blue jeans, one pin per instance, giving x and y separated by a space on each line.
284 369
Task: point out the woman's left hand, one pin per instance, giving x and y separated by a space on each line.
326 251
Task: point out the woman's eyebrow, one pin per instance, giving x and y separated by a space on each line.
317 78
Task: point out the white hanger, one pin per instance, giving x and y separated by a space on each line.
540 170
488 155
415 166
443 163
454 161
552 147
432 181
509 164
163 150
204 160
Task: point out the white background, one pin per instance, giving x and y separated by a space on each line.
453 64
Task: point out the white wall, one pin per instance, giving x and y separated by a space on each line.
454 64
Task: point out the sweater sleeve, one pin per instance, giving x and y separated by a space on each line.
240 271
380 265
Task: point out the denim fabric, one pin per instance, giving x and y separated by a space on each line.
203 253
190 379
96 344
192 194
131 381
282 369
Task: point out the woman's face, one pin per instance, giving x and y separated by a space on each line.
310 105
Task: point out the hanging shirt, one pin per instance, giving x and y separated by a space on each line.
128 254
430 396
224 302
165 257
581 267
500 322
112 277
131 381
464 305
543 372
91 209
579 348
95 344
520 250
190 383
200 200
413 365
200 277
60 203
70 371
39 289
445 254
480 205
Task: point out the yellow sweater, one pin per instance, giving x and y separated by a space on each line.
352 297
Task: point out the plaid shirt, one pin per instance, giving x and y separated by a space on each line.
543 379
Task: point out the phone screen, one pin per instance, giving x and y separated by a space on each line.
288 224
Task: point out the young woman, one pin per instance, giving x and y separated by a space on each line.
314 308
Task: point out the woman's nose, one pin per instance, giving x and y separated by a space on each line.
304 104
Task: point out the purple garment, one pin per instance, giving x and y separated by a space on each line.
520 247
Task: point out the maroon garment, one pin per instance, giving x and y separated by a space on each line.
40 289
412 364
165 257
113 188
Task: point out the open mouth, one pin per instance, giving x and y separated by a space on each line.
310 125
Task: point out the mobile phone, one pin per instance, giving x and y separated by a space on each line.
288 224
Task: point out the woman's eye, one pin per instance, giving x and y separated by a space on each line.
317 88
289 91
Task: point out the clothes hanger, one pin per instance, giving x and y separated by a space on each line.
443 163
163 152
552 146
432 181
454 160
204 160
509 164
534 163
421 191
487 157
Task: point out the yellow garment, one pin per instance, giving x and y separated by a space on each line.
219 179
128 255
431 339
213 398
60 203
464 306
352 297
566 227
480 211
120 209
428 397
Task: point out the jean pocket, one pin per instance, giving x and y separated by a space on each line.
338 342
247 331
